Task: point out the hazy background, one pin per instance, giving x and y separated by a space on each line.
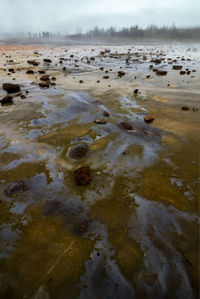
66 16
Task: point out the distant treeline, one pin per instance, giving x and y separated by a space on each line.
135 32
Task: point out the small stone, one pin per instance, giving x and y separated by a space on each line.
44 85
106 113
177 67
135 91
80 81
195 109
82 176
149 118
161 73
47 60
185 108
101 121
121 73
45 78
105 77
30 72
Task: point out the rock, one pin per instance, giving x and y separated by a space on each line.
16 187
195 109
82 176
78 151
10 88
126 126
121 73
45 78
41 72
30 72
105 77
44 85
135 91
148 76
47 60
185 108
182 72
80 81
161 73
53 78
177 67
33 62
101 121
149 118
11 70
7 100
106 113
101 68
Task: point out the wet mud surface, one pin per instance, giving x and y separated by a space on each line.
99 171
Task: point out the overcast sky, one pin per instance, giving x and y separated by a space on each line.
67 16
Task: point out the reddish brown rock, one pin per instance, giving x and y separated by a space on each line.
82 176
106 113
121 73
185 108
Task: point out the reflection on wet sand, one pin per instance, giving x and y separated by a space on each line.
99 177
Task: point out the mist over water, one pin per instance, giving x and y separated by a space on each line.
72 16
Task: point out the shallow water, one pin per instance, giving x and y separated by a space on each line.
133 231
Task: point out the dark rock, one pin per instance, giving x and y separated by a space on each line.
121 73
10 88
16 187
126 126
53 78
82 176
149 118
41 72
33 62
105 77
44 85
101 68
106 113
135 91
185 108
22 96
177 67
161 73
7 100
182 72
78 151
47 60
80 81
45 78
30 72
11 70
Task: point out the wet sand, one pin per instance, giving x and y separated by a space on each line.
132 229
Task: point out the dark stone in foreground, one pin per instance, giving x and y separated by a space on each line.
16 187
121 73
126 126
78 151
82 176
45 78
11 88
7 100
30 72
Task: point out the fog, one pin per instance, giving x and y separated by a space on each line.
66 16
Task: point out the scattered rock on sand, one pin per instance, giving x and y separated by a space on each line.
135 91
195 109
82 176
33 62
78 151
10 88
149 118
16 187
185 108
182 72
105 77
44 85
126 126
